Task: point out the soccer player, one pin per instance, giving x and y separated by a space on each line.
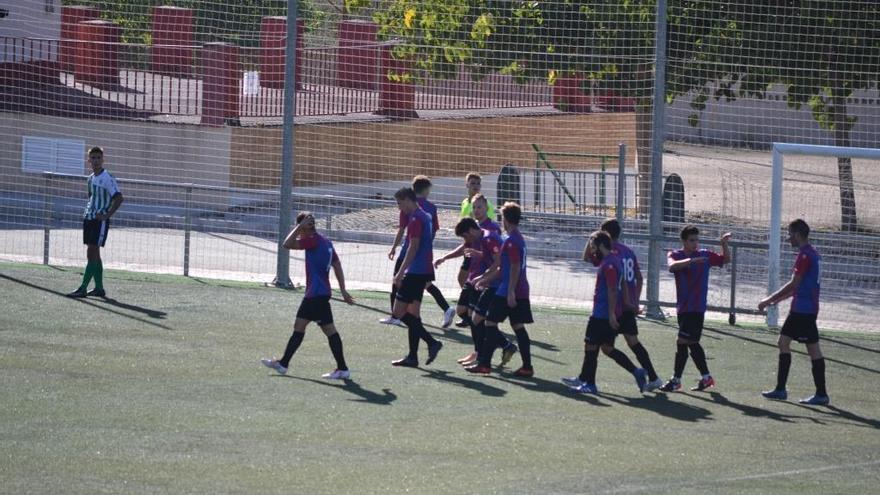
800 324
104 199
511 297
691 268
474 184
632 278
315 306
483 247
416 270
603 325
422 187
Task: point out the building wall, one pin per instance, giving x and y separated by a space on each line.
377 151
40 19
133 149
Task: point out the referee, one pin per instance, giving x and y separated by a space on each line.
104 199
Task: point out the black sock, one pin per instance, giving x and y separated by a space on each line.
393 296
438 297
621 359
588 370
292 345
525 346
423 333
335 342
478 332
784 366
681 359
699 357
491 340
413 335
819 376
644 360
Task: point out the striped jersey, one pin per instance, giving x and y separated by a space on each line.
513 250
102 188
420 226
629 266
806 295
692 282
490 225
403 221
489 246
320 256
608 279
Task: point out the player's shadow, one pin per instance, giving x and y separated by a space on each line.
535 384
751 411
793 351
90 302
481 387
382 399
152 313
842 414
660 404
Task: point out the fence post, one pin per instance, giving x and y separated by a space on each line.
621 182
48 205
187 228
602 186
731 317
657 138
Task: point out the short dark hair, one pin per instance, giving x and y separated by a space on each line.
405 193
473 175
420 183
612 226
479 197
601 238
799 226
464 225
96 149
511 212
302 216
689 230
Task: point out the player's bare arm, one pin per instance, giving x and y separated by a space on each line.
514 281
340 279
115 203
397 238
455 253
782 294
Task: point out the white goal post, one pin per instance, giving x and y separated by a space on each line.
775 236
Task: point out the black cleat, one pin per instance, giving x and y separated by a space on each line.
461 323
96 293
406 362
433 350
78 294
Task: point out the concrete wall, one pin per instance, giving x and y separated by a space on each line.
133 150
759 123
380 151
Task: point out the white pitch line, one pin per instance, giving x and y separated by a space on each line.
636 489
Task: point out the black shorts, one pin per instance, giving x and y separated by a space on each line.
499 311
95 232
599 332
628 325
316 309
484 301
801 327
468 296
690 326
413 287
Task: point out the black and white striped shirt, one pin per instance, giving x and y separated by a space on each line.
102 188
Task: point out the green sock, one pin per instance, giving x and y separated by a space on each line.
87 275
99 274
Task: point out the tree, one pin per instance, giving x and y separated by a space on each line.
820 50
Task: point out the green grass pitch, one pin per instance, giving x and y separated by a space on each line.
160 390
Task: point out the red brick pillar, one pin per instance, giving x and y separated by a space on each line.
273 48
71 15
572 94
358 55
397 99
220 83
172 52
97 54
